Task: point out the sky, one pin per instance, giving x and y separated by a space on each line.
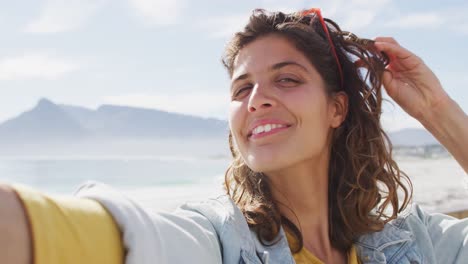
166 54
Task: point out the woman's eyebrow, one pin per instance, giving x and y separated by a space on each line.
280 65
274 67
241 77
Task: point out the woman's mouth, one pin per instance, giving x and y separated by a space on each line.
267 130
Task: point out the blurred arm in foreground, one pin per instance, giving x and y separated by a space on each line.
66 230
15 240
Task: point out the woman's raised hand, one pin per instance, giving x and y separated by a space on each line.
410 83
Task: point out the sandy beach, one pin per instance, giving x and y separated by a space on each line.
439 185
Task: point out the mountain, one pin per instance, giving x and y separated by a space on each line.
58 130
412 137
48 121
131 122
81 114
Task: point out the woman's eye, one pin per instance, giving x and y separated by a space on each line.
241 90
288 80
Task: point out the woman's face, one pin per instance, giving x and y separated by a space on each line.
280 115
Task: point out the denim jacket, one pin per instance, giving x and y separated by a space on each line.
215 231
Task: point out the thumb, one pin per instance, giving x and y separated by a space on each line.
389 84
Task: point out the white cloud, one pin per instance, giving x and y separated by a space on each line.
455 19
35 66
358 14
64 15
417 20
271 4
199 104
452 18
279 5
350 15
359 19
224 26
159 12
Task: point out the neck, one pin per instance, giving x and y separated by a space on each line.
301 193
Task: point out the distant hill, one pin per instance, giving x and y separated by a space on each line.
131 122
48 121
412 137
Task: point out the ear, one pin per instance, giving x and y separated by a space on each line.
338 109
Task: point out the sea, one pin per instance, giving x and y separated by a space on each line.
163 182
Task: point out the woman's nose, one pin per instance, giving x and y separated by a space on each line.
260 99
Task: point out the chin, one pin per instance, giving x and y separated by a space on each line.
264 166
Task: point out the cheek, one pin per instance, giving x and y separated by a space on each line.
236 120
234 115
312 113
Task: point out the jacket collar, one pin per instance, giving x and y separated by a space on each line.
382 246
277 253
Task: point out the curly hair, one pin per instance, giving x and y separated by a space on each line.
363 177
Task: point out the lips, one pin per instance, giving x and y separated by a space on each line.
268 133
265 122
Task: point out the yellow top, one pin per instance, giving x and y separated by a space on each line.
70 230
306 257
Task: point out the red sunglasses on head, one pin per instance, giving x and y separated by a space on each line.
317 12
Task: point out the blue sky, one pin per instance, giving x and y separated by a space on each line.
165 54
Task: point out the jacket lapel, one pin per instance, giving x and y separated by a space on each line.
386 246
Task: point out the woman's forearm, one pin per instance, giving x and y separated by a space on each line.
449 124
15 240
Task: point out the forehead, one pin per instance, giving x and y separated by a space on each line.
259 55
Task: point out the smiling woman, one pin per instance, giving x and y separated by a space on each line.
285 72
312 179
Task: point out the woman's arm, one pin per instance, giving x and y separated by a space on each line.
449 124
413 86
15 240
80 230
184 236
37 228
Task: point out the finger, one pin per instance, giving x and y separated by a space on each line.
389 85
391 48
401 59
386 39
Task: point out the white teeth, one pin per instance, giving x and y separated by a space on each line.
258 130
266 128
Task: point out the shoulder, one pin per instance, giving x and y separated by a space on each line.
220 210
227 219
416 236
223 214
238 241
408 225
392 244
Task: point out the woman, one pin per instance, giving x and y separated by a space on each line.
312 178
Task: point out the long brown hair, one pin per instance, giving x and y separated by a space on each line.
363 177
